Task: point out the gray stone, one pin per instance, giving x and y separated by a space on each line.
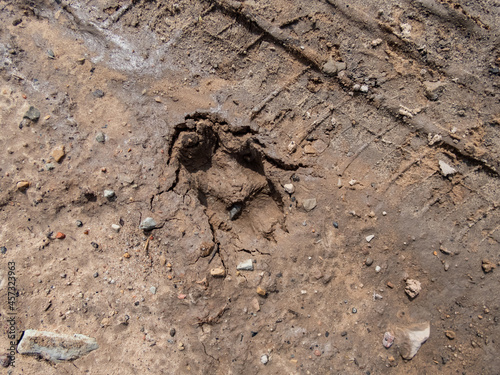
341 66
100 137
264 359
309 204
235 211
98 93
56 347
370 237
369 261
109 194
433 89
148 224
116 227
49 166
152 290
330 67
32 114
247 265
4 360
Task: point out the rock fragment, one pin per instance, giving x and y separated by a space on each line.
450 334
218 272
261 291
330 67
413 288
289 188
488 266
432 90
58 153
264 359
22 185
4 360
148 224
388 339
56 347
370 237
100 137
247 265
116 227
409 340
109 194
446 169
32 114
309 204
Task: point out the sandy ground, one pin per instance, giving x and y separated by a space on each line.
384 117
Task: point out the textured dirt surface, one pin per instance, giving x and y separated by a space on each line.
384 115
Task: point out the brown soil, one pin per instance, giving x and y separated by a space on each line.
201 101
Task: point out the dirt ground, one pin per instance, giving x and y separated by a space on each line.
384 116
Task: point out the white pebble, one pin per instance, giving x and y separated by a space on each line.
289 188
378 269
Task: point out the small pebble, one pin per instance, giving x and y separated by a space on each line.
264 359
172 332
109 194
218 272
58 153
388 339
369 261
32 114
100 137
370 237
60 236
247 265
289 188
152 290
336 225
378 269
79 224
354 310
96 275
98 93
3 250
148 224
116 227
450 334
22 185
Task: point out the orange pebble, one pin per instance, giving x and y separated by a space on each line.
60 236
